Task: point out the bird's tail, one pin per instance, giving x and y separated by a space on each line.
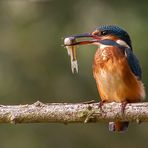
118 126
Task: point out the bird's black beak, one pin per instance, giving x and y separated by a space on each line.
83 39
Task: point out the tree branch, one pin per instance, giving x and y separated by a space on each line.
72 112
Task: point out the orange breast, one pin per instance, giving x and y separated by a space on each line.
114 78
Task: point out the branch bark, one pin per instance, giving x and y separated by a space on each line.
72 112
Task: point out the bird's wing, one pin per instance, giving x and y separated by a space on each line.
133 63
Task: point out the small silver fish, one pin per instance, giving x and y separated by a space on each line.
71 50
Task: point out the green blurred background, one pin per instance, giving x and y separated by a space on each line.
34 66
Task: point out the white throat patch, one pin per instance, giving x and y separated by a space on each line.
102 46
122 43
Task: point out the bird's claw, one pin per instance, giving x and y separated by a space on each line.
123 105
101 103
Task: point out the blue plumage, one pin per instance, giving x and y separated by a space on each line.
116 31
133 63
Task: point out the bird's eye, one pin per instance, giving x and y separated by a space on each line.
103 32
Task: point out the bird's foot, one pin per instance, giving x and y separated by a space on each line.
101 103
123 105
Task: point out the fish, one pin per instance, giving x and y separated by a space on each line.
71 50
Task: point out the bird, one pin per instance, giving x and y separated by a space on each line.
116 69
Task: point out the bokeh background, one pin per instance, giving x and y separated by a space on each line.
34 66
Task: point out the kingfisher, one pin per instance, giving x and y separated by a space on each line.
116 69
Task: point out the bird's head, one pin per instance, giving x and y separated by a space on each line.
109 35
